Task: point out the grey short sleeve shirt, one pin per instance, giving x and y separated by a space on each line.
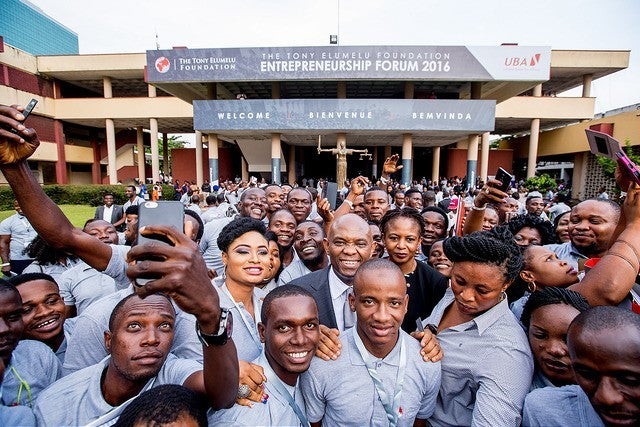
341 392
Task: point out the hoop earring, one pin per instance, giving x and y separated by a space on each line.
503 296
532 287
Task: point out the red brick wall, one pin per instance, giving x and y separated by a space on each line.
457 162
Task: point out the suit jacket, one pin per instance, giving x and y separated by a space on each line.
116 214
317 283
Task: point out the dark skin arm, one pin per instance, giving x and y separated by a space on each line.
611 279
54 227
5 240
183 276
489 194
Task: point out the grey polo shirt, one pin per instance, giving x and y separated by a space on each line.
83 285
293 271
77 398
245 330
275 412
559 406
341 392
37 365
486 370
21 232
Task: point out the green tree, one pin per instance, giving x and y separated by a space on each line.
609 165
173 141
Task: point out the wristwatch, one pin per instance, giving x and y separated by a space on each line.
225 328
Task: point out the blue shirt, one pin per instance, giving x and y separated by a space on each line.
559 407
486 370
567 252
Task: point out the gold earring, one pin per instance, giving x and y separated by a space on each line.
532 287
503 296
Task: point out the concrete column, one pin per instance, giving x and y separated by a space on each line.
586 85
165 153
533 148
96 173
155 153
407 156
275 158
578 179
61 163
435 165
245 170
292 164
484 157
213 159
110 129
199 158
141 159
532 158
151 90
111 151
106 87
472 160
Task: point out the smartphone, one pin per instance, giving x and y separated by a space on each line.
27 111
505 178
602 144
158 213
331 193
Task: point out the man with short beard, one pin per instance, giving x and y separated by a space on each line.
275 198
299 202
591 226
308 244
376 204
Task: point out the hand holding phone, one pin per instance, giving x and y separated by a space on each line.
158 213
27 112
505 178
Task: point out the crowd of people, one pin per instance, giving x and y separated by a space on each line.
419 306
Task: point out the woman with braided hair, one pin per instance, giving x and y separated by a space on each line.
487 368
546 317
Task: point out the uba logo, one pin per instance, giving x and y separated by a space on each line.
162 64
522 61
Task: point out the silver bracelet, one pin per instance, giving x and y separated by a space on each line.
475 208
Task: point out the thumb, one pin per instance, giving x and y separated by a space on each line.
399 167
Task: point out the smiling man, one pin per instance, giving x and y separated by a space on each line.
309 246
26 362
290 331
349 244
299 202
591 226
283 223
380 377
604 346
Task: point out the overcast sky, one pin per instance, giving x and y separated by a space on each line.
118 26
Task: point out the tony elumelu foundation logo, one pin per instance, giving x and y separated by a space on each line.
163 64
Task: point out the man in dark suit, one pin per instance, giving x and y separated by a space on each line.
111 212
348 244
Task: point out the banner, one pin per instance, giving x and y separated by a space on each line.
451 63
276 115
